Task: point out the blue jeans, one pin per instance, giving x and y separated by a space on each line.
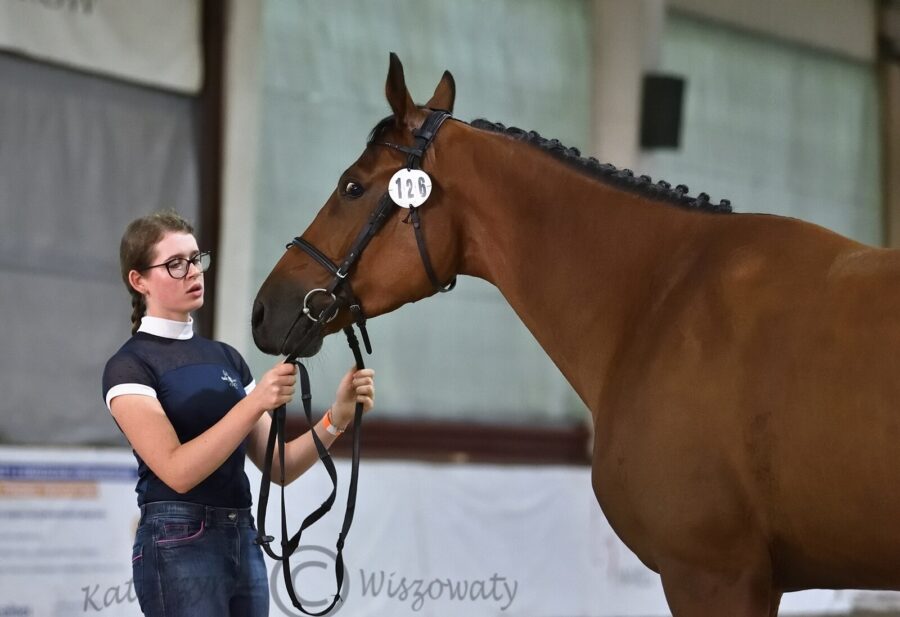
198 561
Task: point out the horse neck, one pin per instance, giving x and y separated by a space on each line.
575 257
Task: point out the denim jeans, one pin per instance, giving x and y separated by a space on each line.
198 561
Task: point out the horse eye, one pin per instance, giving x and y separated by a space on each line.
352 189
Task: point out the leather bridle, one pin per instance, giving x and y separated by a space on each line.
422 137
340 291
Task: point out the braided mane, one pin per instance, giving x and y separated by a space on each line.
623 178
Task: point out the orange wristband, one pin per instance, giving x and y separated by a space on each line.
329 425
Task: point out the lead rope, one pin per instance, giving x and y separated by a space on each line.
423 138
277 433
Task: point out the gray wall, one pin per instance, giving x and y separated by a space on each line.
80 156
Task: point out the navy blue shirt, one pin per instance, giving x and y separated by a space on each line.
196 381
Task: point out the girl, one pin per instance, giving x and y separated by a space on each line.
191 411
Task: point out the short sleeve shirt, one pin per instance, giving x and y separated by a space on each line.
196 381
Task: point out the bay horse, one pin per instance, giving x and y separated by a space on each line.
740 369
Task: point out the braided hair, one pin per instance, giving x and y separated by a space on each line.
136 251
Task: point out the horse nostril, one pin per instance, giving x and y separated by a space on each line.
257 315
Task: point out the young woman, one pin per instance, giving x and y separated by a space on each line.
191 411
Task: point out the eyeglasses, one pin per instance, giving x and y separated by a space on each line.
178 267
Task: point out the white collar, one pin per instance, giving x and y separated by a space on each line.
166 328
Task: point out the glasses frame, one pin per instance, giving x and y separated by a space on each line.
192 261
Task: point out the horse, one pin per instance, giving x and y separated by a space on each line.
740 369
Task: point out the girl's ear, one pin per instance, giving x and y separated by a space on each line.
136 280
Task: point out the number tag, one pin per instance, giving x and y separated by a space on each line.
409 188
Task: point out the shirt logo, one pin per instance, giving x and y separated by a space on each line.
231 381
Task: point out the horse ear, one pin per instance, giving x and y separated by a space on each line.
444 94
395 89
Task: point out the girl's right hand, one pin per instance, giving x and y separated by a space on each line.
276 387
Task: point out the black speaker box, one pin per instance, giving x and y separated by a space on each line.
661 111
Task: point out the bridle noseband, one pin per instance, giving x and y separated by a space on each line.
423 137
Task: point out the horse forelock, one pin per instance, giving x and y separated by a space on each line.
621 178
379 129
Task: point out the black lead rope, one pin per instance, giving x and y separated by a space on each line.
422 138
277 433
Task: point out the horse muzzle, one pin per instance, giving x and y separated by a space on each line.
300 329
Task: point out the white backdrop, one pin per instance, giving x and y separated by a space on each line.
428 539
154 43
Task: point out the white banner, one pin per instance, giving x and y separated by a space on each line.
155 43
67 520
427 539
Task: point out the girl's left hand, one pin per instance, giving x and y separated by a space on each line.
355 387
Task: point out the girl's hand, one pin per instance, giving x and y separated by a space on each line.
355 387
276 387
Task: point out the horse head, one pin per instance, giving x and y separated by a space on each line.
361 249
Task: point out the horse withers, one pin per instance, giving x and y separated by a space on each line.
740 369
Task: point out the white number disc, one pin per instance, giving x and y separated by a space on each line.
409 188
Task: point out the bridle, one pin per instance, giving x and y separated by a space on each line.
340 292
423 136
